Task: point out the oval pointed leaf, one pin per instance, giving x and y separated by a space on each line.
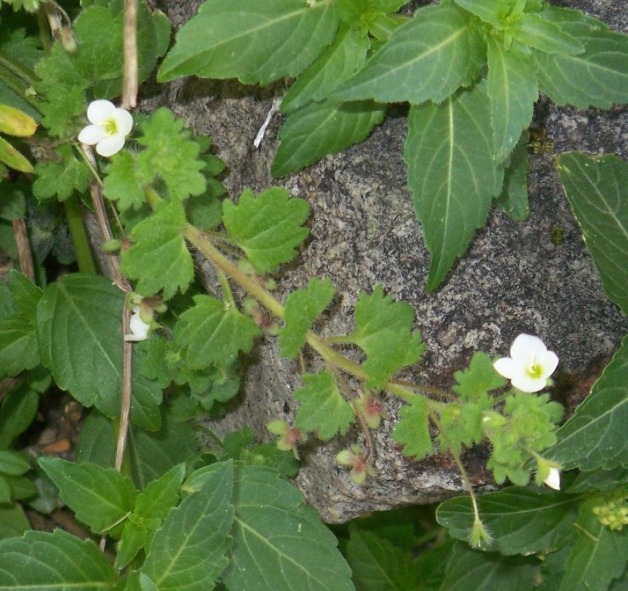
452 175
428 58
255 42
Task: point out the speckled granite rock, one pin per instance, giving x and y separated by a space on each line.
515 277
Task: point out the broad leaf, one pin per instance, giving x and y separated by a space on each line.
213 332
303 307
452 175
100 497
377 564
594 437
512 92
272 521
535 31
268 228
323 128
254 42
160 259
488 571
323 408
514 197
58 560
597 77
520 520
18 346
596 189
428 58
489 11
80 340
188 551
412 430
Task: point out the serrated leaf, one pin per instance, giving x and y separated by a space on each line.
213 332
170 155
268 228
339 61
18 346
427 58
596 190
323 128
377 564
58 560
272 520
596 558
412 430
535 31
62 106
520 520
597 77
80 340
124 182
160 495
512 92
594 437
100 497
62 176
514 197
160 259
188 551
452 175
487 571
302 308
383 330
480 377
255 43
323 408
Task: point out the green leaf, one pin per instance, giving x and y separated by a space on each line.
520 520
412 430
268 228
383 330
483 571
514 197
80 340
512 92
124 182
18 410
256 43
377 564
100 497
213 332
428 58
170 155
594 437
58 560
62 106
18 346
323 128
323 408
596 190
272 521
479 378
160 259
490 11
303 307
452 175
62 176
13 522
13 463
160 495
597 77
596 558
188 551
535 31
339 61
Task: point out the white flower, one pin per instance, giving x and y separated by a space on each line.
553 479
109 127
530 364
139 328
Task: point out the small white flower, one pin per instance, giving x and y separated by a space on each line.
109 127
139 328
553 479
530 364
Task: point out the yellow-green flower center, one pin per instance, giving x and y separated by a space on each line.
110 126
534 370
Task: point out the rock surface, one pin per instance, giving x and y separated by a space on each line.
533 276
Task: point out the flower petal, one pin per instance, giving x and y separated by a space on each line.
110 145
90 135
100 110
553 480
527 384
549 362
507 367
124 119
526 346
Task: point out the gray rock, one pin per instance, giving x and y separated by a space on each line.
534 276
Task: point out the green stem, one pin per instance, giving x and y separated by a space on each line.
73 214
